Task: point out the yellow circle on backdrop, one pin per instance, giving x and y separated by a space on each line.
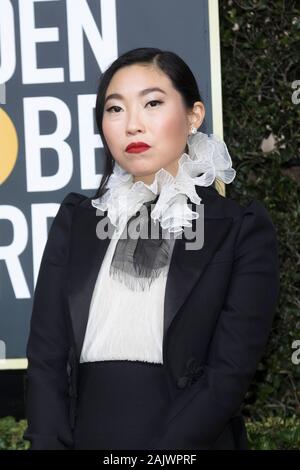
8 146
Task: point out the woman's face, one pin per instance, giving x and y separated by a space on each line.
157 118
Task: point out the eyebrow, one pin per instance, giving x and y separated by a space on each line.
141 93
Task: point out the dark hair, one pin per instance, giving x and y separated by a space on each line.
170 63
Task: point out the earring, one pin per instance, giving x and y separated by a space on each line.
193 130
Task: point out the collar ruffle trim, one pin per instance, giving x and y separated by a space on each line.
208 157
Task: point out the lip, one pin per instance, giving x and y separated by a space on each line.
137 147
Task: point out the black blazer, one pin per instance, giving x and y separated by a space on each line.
219 306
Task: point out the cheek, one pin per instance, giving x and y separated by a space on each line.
107 128
109 134
173 134
173 125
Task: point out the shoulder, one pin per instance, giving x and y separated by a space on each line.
253 227
256 239
66 209
72 199
59 233
252 208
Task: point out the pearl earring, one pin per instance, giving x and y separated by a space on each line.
193 130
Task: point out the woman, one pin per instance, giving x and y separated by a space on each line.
151 342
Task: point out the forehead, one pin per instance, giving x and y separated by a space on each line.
130 80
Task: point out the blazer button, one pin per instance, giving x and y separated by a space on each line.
182 382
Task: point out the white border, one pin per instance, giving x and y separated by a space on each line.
10 364
215 74
215 67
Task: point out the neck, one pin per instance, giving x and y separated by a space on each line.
147 179
172 168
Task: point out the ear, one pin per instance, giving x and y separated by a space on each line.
196 116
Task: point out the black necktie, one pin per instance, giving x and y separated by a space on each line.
138 261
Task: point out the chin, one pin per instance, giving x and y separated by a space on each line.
138 171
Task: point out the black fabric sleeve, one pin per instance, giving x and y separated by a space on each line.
47 398
199 415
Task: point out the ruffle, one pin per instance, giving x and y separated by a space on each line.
207 159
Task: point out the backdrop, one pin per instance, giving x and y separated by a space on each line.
53 53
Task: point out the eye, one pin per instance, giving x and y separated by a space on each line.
154 101
109 110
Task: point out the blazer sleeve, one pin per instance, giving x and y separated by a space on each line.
47 399
198 416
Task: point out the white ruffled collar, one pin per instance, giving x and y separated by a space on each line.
208 156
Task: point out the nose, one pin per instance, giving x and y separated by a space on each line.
134 123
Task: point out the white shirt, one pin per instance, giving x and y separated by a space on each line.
124 324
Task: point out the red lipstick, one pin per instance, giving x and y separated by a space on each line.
137 147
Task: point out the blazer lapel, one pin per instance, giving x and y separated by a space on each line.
87 252
187 266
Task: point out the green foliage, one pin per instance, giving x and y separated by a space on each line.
11 434
260 43
274 434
